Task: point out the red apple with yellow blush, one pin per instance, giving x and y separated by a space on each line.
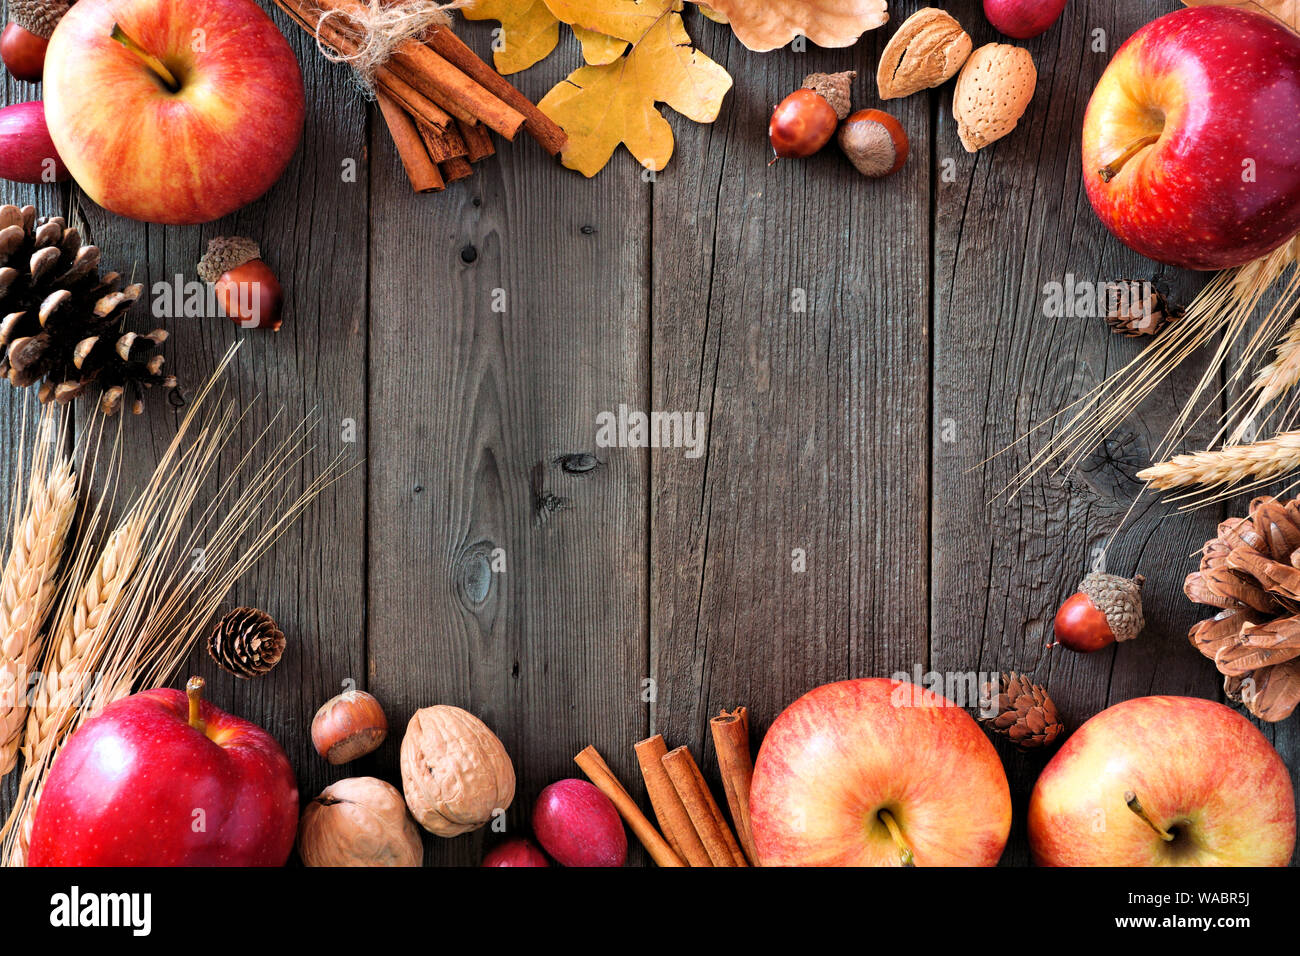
1164 781
878 772
163 778
172 112
1191 149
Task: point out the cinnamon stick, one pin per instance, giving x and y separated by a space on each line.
668 807
594 766
703 810
731 740
540 126
478 142
456 169
420 168
442 144
420 67
413 101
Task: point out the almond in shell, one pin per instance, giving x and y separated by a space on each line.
927 51
993 92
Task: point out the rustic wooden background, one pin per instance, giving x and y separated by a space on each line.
856 430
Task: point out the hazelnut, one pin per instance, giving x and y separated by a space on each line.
874 142
348 726
361 821
455 772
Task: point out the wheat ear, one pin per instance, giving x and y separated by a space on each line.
76 645
1262 460
29 586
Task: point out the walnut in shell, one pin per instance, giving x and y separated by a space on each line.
455 772
927 51
361 821
993 92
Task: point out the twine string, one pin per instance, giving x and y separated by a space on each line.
380 27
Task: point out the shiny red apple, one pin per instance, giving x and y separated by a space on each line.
172 112
1023 19
878 772
1164 781
516 851
578 825
1191 143
164 779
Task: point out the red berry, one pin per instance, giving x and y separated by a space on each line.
802 123
1082 626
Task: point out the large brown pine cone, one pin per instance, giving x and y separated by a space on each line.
1251 571
61 320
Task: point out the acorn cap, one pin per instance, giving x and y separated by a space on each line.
1120 599
835 88
38 16
226 253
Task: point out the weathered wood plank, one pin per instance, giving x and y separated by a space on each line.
1014 219
312 228
791 308
505 314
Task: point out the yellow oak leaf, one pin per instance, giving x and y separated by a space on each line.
712 14
763 25
598 49
529 31
1288 11
603 106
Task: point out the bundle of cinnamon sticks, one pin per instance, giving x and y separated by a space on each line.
694 830
437 97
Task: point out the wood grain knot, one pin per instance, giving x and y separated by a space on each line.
475 572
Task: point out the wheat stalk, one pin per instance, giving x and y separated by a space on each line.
171 597
29 584
1261 460
1220 313
72 654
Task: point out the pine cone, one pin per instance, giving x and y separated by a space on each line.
1136 307
1251 572
61 318
1021 711
246 642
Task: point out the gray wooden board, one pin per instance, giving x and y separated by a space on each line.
858 349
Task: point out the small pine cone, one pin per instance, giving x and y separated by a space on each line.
246 642
1136 307
835 88
1021 711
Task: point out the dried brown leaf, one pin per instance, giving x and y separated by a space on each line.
762 25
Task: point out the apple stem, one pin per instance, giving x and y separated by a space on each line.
904 851
194 691
1111 170
1131 800
151 61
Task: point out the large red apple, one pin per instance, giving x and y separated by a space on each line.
161 780
878 773
172 112
1191 143
1164 781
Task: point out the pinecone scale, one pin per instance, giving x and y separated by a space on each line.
1251 573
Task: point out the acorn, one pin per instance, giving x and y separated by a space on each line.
246 288
27 36
874 142
1107 608
805 121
